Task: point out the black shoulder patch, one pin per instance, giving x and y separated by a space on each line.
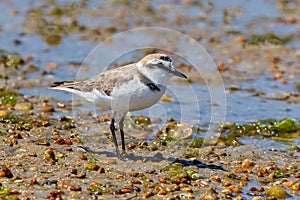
148 82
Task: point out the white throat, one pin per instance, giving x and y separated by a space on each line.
158 76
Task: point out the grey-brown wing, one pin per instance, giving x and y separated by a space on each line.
108 80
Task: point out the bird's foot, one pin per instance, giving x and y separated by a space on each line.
124 153
122 156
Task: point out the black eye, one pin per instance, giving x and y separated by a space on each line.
166 58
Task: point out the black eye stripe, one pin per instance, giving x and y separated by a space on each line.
166 58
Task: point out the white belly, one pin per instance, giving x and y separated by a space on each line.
135 97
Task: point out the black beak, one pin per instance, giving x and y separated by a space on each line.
178 73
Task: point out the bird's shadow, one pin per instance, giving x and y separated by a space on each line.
158 157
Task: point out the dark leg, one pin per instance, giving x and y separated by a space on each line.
112 130
121 125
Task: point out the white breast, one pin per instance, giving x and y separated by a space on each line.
134 95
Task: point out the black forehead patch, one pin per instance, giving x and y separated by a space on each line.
166 58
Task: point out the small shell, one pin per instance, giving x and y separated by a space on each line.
179 130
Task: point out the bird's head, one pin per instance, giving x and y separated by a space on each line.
159 67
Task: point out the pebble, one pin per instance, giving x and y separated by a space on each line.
187 189
73 171
60 155
162 192
47 108
68 149
49 157
135 181
227 183
59 141
119 176
81 175
68 142
101 170
166 98
110 161
69 186
91 166
142 120
222 67
5 172
179 130
209 197
162 180
247 163
45 123
126 190
42 141
256 198
24 106
296 186
55 194
136 188
260 189
49 182
83 157
277 192
216 179
33 181
3 113
147 194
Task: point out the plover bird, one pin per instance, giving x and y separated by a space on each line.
128 88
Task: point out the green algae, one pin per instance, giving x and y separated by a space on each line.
16 122
96 190
53 21
8 97
177 171
298 87
165 140
197 142
270 38
11 59
92 164
67 123
142 120
286 126
191 153
3 132
231 175
277 192
266 127
5 193
230 140
285 130
280 173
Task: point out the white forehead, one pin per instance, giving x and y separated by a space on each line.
153 58
159 59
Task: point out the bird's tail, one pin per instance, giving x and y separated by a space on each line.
62 84
69 86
